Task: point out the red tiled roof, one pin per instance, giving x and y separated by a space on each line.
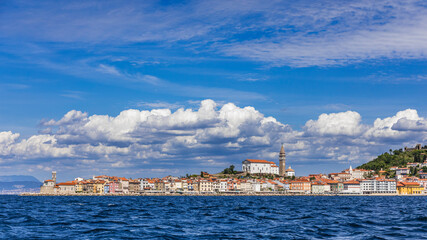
410 183
71 183
259 161
352 182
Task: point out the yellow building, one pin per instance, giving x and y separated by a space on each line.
409 188
98 186
79 187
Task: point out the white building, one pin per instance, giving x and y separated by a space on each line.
147 184
223 185
351 187
289 172
357 173
245 186
402 171
320 188
256 186
381 186
254 166
67 187
205 185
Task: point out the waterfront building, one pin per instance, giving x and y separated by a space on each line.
114 187
184 184
245 186
223 185
167 185
215 186
300 186
107 188
320 188
98 186
351 187
406 188
176 185
205 185
78 186
423 184
88 186
254 166
124 185
378 185
134 186
192 186
49 185
336 186
66 187
147 184
282 162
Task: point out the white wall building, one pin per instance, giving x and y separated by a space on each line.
351 187
67 187
223 185
385 186
289 172
245 186
254 166
320 188
147 184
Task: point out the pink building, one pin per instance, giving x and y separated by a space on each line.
114 187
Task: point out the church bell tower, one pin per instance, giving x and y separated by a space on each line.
282 162
54 177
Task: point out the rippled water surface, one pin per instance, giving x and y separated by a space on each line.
210 217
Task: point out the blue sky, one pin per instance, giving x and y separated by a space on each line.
81 84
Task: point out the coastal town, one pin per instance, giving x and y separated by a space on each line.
258 177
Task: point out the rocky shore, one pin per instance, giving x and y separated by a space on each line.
208 194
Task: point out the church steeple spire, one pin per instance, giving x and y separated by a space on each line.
282 161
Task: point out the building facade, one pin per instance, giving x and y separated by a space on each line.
254 166
378 186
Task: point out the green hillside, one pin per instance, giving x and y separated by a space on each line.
397 158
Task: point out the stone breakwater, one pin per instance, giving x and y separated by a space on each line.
208 194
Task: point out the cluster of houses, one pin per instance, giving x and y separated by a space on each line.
349 181
257 176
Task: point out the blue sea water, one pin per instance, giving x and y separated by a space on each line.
213 217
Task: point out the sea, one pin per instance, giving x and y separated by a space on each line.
213 217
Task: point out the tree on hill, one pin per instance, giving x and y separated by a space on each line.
396 158
229 170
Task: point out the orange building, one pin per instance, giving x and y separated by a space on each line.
302 186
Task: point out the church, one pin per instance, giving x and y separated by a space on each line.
254 166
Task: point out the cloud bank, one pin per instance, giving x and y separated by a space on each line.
210 137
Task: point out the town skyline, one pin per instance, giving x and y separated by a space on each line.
402 172
155 87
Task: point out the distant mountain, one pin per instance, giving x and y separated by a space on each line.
16 184
14 178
